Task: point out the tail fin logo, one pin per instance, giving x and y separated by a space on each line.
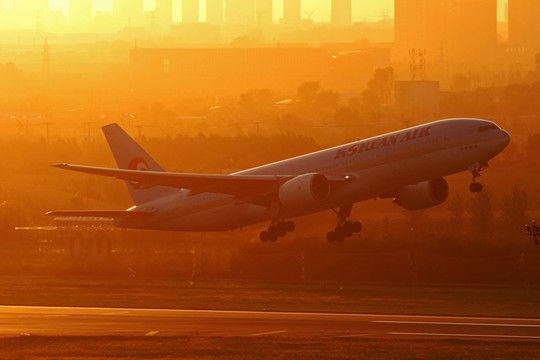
138 164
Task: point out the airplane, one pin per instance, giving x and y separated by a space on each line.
408 166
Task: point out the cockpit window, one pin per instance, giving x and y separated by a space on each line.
484 128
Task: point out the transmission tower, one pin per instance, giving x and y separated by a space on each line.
417 64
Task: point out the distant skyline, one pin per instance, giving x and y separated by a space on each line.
318 10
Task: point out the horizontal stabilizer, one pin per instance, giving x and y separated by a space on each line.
113 214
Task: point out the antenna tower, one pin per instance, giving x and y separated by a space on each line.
46 57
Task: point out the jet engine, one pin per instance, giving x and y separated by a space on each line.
304 191
423 195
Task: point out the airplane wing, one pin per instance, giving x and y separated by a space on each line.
237 185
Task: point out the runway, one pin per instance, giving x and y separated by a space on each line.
80 321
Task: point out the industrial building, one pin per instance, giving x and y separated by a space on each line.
292 12
190 11
80 13
341 13
524 24
214 12
238 69
462 29
263 12
128 13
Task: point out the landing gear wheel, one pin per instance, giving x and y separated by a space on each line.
476 187
345 228
281 229
273 234
264 236
340 234
268 235
331 236
290 226
276 230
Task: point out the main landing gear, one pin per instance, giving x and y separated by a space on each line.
277 229
475 169
344 228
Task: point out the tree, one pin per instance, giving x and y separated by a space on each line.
533 147
379 89
514 207
307 91
327 99
257 99
457 209
481 210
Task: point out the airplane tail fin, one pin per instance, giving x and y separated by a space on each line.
129 155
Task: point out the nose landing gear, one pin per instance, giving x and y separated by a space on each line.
475 169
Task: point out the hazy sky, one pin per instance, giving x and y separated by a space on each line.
318 10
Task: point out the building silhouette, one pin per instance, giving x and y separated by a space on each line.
80 13
263 12
3 12
128 13
230 70
190 11
292 12
28 13
341 13
524 24
163 13
239 12
465 29
214 12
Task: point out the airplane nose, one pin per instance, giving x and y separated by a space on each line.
504 139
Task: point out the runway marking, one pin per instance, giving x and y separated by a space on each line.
453 323
116 313
397 316
270 333
467 335
355 335
151 333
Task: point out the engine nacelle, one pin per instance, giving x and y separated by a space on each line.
423 195
304 191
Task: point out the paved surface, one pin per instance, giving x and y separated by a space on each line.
41 320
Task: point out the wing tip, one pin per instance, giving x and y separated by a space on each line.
59 165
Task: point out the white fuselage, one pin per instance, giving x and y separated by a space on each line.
374 166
